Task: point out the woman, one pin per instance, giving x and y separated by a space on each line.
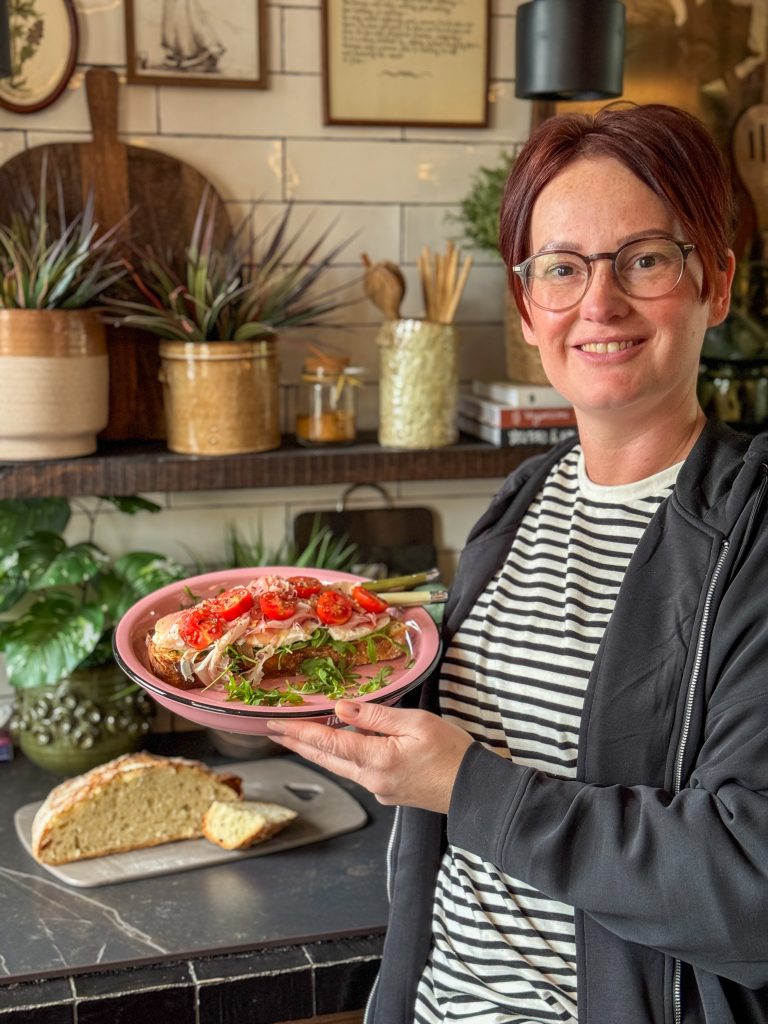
584 829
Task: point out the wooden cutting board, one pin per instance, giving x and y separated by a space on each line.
324 810
163 193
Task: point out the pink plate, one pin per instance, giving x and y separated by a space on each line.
211 708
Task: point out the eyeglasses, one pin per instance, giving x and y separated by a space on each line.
646 269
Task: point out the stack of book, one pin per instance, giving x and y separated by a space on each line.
510 413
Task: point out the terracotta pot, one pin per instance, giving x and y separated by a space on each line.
221 397
86 719
54 383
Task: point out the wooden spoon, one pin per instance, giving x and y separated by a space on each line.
384 285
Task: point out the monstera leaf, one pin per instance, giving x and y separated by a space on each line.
50 639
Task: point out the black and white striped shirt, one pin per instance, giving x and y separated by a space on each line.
514 677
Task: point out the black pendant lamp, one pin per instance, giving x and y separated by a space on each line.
570 49
5 40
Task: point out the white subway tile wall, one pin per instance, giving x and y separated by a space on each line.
392 188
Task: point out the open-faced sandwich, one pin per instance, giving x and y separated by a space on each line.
280 626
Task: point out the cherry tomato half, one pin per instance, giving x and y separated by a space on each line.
276 606
306 586
369 601
333 608
199 628
231 604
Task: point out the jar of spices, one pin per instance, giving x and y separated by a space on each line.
326 401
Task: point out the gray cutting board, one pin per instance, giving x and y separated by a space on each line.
324 809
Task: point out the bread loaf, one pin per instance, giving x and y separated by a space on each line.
135 801
240 825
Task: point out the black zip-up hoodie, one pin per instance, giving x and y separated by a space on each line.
661 842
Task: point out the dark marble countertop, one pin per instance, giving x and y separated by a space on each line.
331 890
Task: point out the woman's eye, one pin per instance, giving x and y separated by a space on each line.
560 271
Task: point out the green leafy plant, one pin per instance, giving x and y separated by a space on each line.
48 262
323 550
478 216
60 602
249 289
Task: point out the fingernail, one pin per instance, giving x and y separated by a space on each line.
348 708
274 726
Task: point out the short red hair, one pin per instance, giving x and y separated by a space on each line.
669 150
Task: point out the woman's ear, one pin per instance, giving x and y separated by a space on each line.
528 333
720 299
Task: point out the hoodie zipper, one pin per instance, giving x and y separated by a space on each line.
677 1005
684 732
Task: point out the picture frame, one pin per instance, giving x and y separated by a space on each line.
197 42
44 43
395 63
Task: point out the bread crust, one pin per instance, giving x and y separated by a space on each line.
388 645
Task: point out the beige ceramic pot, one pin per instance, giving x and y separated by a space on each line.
54 383
220 397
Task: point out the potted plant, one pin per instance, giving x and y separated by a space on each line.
59 604
478 218
54 384
218 317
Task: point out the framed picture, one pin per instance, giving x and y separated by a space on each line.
400 63
44 41
197 42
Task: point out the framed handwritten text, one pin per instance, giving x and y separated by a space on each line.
406 62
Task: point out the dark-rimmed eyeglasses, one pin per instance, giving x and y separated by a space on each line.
648 268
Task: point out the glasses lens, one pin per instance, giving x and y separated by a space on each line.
649 268
556 280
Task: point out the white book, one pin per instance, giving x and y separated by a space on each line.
511 437
519 395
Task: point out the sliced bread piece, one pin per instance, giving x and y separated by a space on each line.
238 826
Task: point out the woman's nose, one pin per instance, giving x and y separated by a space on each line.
604 299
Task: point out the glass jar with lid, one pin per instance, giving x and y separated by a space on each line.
326 401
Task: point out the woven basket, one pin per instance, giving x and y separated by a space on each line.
522 360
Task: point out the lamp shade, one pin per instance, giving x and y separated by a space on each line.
570 49
5 40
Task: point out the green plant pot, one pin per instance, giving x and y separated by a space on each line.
84 720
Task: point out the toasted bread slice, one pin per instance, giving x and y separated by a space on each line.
254 822
386 645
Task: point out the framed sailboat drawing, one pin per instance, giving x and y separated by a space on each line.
197 42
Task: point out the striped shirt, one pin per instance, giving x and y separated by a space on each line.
514 677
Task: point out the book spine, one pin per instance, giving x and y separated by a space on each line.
512 437
520 396
497 415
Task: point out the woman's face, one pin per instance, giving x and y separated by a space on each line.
612 353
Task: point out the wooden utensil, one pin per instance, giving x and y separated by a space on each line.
163 194
384 284
442 283
750 155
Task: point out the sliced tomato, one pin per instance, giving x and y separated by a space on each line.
333 608
306 586
232 603
368 601
199 628
276 606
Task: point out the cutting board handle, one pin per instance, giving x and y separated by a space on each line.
101 92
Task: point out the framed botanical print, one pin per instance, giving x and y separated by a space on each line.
197 42
44 40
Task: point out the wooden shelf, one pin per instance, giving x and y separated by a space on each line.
141 468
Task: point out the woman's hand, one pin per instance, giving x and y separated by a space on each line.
404 756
